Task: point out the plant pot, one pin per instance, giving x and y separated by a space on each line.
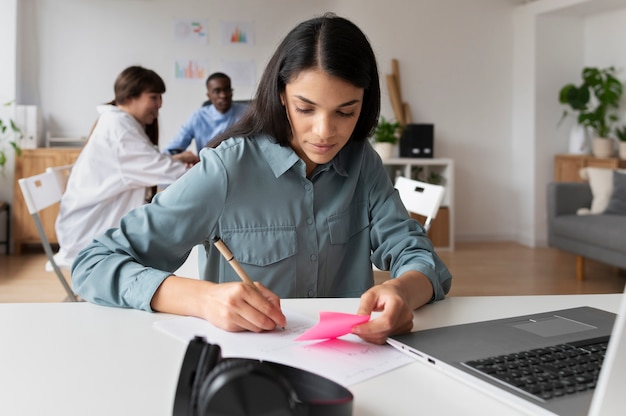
602 147
384 149
622 150
578 140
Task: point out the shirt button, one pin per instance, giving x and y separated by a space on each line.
310 293
307 187
309 221
313 257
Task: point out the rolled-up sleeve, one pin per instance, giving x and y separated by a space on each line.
126 265
399 242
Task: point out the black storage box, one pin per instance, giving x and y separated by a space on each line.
418 141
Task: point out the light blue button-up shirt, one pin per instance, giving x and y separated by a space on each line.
299 236
203 125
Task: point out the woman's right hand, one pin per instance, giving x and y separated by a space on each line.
237 307
233 306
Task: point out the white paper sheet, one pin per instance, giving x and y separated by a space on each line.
347 360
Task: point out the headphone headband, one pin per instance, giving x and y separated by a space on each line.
208 384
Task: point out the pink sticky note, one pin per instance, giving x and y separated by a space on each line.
333 325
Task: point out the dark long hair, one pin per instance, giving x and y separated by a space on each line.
131 83
331 43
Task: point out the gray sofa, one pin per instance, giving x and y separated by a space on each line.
599 237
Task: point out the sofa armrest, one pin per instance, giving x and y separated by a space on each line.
565 198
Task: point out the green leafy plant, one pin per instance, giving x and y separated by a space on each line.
387 132
10 135
620 132
432 177
596 100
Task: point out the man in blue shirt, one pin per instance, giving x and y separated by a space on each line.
218 113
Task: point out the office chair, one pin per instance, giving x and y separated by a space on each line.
41 191
420 198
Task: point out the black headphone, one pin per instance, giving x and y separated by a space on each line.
211 385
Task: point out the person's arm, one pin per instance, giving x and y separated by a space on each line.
399 244
396 298
141 164
183 138
125 266
186 157
131 266
230 306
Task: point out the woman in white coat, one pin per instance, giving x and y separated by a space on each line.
119 165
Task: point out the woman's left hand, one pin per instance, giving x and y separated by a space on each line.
396 315
396 299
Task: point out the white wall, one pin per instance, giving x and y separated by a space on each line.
456 64
554 40
8 34
604 40
83 45
455 61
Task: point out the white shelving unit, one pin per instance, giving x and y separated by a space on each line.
65 141
443 167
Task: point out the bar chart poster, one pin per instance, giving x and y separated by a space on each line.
237 33
191 70
191 31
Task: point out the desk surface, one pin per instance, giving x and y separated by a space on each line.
76 359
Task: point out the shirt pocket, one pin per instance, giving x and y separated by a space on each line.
342 227
261 246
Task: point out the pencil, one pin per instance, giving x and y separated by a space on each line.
230 258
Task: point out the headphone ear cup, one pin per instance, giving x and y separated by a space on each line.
241 387
210 357
199 359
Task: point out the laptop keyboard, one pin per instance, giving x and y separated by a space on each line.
548 372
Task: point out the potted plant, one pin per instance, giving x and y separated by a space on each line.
386 136
596 101
10 135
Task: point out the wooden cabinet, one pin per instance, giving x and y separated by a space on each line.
441 231
567 167
32 162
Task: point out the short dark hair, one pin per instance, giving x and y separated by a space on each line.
216 75
331 43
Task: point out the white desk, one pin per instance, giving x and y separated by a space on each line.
79 359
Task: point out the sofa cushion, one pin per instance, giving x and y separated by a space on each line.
608 231
617 203
601 183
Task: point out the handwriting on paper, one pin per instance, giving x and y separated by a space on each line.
347 361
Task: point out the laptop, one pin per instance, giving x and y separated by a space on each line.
553 363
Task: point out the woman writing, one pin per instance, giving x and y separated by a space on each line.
297 194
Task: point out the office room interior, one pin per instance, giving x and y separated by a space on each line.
486 73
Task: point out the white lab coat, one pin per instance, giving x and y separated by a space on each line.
109 179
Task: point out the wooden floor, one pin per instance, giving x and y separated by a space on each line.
478 269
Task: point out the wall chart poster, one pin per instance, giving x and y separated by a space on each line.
233 33
191 70
194 31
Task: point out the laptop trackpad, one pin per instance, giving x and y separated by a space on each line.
552 326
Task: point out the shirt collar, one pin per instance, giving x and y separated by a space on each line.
282 158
